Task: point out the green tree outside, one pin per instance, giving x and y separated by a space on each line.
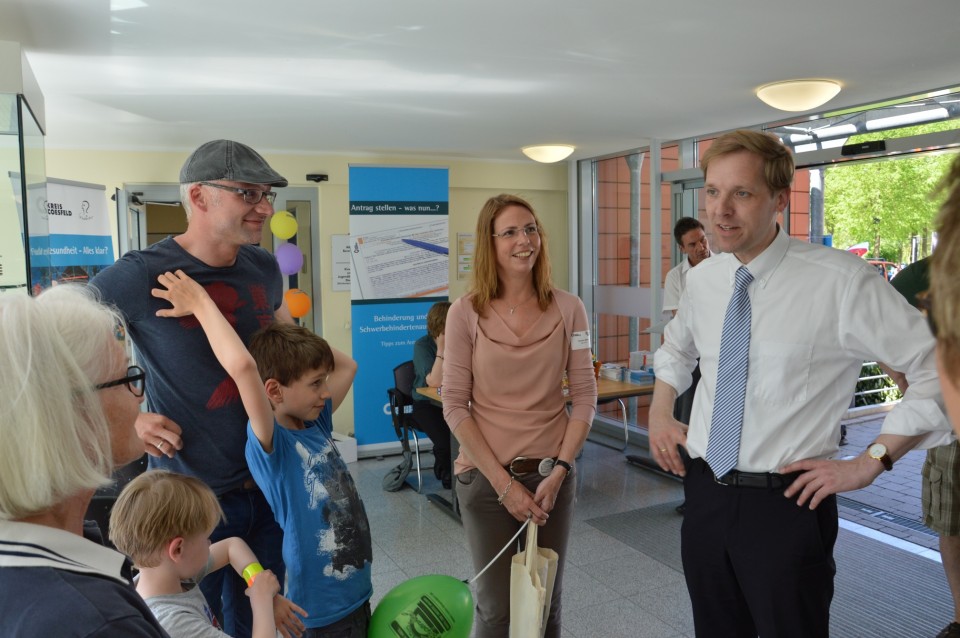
885 202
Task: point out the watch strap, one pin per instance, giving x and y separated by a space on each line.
887 462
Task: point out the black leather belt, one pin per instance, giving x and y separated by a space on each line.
245 486
757 480
523 465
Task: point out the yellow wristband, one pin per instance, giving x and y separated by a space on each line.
250 572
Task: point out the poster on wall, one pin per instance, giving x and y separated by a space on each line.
70 238
400 265
340 271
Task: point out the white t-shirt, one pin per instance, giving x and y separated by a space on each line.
187 615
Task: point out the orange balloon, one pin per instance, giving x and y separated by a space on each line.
297 301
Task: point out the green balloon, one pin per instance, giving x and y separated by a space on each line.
431 606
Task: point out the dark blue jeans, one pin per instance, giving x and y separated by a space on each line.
355 625
247 515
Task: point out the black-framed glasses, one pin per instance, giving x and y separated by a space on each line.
510 233
136 381
249 195
925 304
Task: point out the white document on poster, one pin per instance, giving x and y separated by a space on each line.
408 260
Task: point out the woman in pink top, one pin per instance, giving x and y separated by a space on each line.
508 344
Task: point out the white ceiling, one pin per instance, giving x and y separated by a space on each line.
455 78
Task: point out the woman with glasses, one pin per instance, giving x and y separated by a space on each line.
942 303
509 344
68 402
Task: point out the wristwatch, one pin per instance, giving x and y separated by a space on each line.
879 451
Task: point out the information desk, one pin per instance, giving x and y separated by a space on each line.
607 391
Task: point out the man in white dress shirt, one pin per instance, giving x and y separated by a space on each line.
693 243
757 542
695 247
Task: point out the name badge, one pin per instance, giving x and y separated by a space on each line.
580 340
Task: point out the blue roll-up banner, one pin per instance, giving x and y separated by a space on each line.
400 265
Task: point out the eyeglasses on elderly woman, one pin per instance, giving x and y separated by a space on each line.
136 381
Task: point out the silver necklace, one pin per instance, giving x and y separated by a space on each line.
512 308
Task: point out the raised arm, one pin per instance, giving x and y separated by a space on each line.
344 370
188 297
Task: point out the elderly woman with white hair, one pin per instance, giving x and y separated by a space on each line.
68 402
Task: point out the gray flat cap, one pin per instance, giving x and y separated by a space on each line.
224 159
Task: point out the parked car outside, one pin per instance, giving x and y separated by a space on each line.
886 268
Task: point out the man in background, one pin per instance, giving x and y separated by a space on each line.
692 240
694 246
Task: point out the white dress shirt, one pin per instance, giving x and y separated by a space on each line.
817 315
674 283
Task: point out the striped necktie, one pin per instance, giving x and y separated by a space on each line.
723 447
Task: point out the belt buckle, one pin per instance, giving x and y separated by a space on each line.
516 460
719 480
546 466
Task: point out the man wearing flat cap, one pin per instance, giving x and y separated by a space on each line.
195 422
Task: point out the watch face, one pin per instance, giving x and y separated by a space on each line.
877 450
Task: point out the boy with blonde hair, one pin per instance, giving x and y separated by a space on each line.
163 522
290 382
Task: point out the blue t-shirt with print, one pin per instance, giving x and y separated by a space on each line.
326 535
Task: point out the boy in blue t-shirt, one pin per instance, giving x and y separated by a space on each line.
290 382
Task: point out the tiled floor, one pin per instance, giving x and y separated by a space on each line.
607 583
891 504
610 589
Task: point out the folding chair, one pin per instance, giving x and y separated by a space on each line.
401 411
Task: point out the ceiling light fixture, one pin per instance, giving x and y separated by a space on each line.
548 153
798 95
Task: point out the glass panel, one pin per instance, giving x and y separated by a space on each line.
884 208
35 169
624 258
13 268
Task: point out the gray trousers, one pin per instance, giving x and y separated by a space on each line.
488 527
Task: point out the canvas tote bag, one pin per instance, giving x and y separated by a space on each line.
532 574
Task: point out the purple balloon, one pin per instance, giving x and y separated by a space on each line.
289 258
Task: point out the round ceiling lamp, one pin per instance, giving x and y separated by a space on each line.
548 153
798 95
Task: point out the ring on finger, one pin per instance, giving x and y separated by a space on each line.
159 445
663 449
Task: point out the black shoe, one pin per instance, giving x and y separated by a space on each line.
950 631
843 440
681 508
